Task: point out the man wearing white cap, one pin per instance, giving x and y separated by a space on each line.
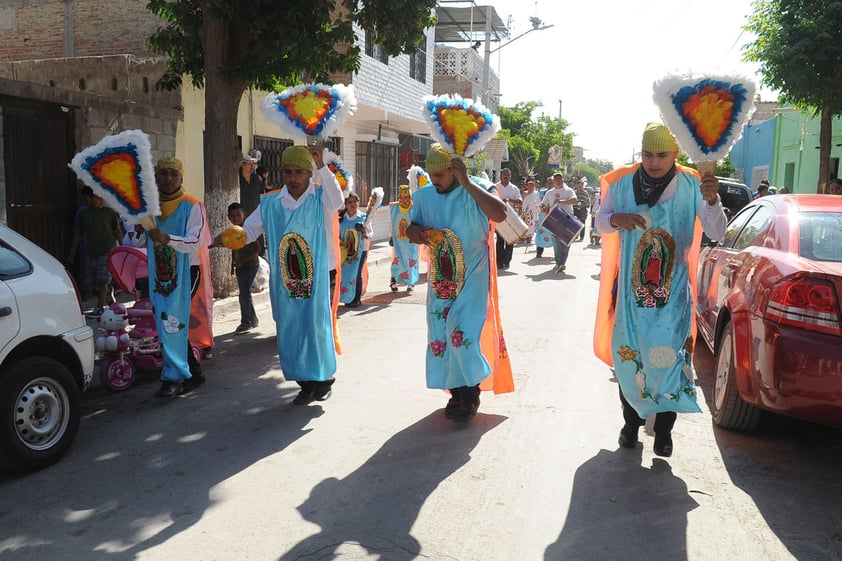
650 218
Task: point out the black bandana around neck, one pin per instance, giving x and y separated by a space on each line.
648 190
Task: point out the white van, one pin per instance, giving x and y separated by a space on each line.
46 355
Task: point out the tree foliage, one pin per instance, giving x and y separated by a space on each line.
725 168
530 138
269 43
800 54
227 46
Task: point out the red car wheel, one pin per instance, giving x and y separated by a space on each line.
728 408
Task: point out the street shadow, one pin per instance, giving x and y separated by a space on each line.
790 469
375 507
622 510
142 470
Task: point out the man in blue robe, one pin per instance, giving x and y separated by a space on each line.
651 217
298 221
453 220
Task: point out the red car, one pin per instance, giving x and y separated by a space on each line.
768 306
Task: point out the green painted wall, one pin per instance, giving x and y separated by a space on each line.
795 159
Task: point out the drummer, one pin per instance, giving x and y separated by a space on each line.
510 194
564 197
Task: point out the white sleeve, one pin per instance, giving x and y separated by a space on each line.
332 197
603 216
194 234
713 219
253 225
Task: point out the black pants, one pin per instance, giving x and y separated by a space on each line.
663 421
504 252
193 364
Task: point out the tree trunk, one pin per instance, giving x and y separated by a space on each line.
825 134
221 150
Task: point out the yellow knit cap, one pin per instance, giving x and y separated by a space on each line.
170 163
658 138
298 156
437 158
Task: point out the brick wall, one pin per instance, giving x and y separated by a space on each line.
45 29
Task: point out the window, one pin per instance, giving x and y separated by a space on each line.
374 50
754 229
377 166
820 236
418 62
735 226
12 263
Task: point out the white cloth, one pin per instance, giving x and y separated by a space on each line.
332 201
564 197
194 236
508 192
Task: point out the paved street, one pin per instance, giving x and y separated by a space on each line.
235 472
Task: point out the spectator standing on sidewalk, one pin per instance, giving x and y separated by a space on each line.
245 262
100 226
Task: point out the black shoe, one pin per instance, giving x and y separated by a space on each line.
306 395
355 304
169 389
539 252
663 445
452 404
192 383
628 436
468 405
393 284
323 390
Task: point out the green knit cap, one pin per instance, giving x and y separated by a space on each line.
438 158
658 138
298 156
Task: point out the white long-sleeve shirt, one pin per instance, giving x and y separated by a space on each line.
191 241
712 217
332 201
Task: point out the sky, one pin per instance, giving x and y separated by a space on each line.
601 58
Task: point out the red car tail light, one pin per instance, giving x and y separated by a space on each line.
805 303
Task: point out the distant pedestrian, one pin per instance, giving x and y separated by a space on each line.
835 187
251 185
563 197
355 234
510 194
404 267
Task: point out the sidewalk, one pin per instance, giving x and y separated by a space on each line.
379 255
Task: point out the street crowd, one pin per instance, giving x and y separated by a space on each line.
644 216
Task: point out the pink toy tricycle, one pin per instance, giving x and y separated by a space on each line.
130 339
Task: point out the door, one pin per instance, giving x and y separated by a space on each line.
40 188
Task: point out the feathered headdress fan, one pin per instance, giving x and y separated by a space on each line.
119 169
417 178
310 109
462 126
335 164
705 113
374 202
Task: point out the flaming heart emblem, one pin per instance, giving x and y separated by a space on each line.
708 108
310 109
705 113
461 126
118 171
